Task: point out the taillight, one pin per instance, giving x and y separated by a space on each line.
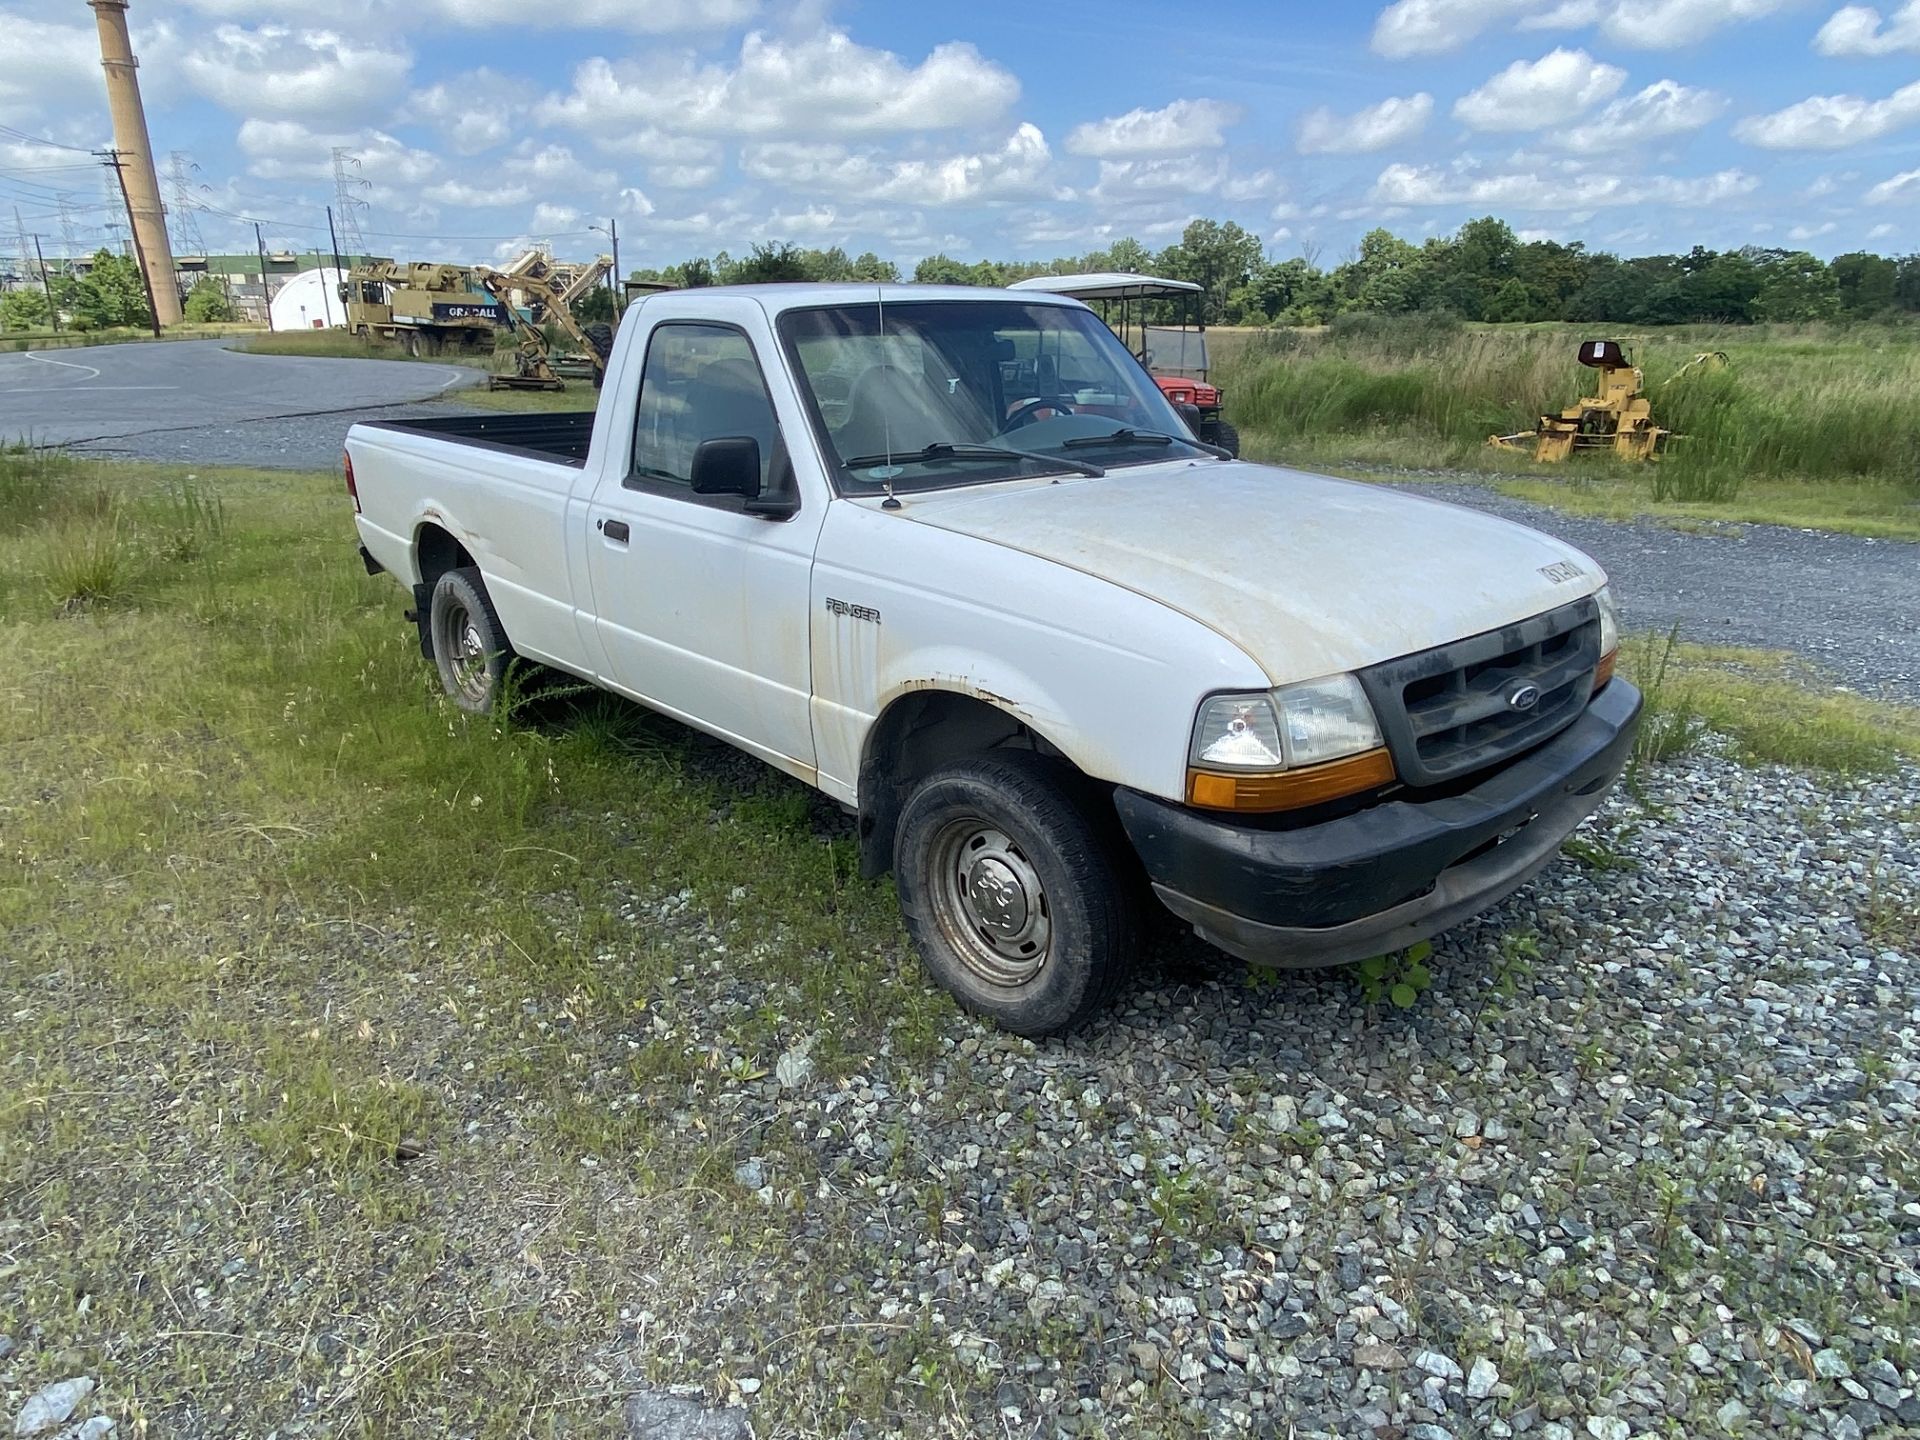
353 491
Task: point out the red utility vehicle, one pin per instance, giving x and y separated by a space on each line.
1175 355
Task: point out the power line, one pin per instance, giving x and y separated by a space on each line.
42 140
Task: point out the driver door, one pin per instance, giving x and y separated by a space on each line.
702 609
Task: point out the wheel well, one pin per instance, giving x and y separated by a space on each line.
914 736
437 552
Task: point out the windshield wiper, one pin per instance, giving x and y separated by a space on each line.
967 450
1144 437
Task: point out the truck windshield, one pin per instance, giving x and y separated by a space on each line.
919 405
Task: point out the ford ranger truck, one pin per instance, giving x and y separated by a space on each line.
950 556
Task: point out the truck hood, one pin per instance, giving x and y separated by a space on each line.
1307 574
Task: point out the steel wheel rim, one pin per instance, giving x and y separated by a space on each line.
990 904
466 653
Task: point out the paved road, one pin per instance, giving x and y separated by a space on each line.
169 400
1848 603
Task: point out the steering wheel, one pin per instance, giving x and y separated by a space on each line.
1024 414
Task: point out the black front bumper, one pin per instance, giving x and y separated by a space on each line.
1384 877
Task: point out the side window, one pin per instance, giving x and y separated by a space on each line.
700 383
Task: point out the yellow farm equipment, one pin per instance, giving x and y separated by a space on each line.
1618 419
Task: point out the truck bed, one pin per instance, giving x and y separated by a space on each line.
552 435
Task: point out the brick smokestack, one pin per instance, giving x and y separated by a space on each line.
136 156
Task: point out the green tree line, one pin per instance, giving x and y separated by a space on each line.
1483 271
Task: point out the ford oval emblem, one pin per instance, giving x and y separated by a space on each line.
1523 697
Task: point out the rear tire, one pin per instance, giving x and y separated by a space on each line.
470 647
1016 891
1225 436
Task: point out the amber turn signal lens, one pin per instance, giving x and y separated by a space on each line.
1603 672
1290 789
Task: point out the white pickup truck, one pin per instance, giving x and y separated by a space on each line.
950 556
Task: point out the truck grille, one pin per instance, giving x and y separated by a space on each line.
1452 710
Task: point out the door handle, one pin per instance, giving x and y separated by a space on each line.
613 529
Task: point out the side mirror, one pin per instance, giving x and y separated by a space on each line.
729 465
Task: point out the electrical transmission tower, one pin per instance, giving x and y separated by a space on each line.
68 239
347 204
183 203
25 269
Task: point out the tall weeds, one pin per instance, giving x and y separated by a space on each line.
1800 403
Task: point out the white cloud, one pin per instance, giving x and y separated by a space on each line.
289 150
1881 231
1832 122
1859 30
683 177
475 111
653 17
1433 27
43 67
823 85
1018 169
312 75
1669 24
466 195
1176 129
553 167
1529 94
1392 121
1664 108
1898 189
1258 186
548 216
635 203
1183 175
1556 189
1804 233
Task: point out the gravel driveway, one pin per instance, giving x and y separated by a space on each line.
1847 602
1642 1162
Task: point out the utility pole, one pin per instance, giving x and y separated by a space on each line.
140 191
613 233
266 295
53 310
112 157
340 273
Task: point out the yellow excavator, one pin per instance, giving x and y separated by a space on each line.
1618 419
551 289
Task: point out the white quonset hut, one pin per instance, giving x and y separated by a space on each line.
309 301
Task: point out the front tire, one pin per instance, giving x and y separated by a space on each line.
1225 436
1016 891
470 647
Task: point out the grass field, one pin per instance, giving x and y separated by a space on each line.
1809 425
351 1073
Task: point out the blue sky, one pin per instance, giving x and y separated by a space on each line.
997 128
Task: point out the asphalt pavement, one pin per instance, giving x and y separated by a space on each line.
198 401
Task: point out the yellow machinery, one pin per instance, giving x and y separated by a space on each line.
1618 419
420 306
551 290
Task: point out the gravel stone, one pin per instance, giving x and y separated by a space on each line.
1481 1378
1438 1365
1378 1357
1608 1427
52 1405
1732 1415
1831 1365
659 1415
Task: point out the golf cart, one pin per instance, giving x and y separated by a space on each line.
1176 357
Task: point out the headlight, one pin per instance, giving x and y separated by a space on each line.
1325 719
1239 732
1287 748
1609 619
1283 729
